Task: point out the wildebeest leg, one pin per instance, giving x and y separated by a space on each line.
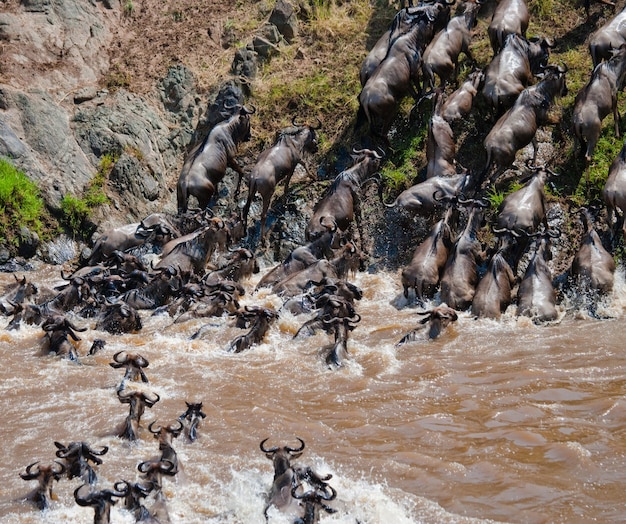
234 165
535 148
616 117
266 206
359 228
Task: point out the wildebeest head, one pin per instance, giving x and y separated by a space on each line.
281 456
101 500
154 470
78 456
46 475
134 364
193 414
166 434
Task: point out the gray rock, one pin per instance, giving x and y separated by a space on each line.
284 18
28 243
10 145
177 91
245 62
85 94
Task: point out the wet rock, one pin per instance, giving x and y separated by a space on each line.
284 18
28 243
5 254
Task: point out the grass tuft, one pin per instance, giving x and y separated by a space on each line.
20 203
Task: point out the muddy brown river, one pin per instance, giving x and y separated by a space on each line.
495 421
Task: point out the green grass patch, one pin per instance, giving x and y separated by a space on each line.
77 210
598 170
20 203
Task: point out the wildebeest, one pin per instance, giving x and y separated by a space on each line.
190 253
78 457
396 77
260 318
614 192
536 297
593 266
609 37
206 163
424 197
135 492
134 364
154 470
423 273
518 126
460 274
441 56
459 104
284 475
341 201
314 501
161 285
192 416
329 307
119 317
509 17
440 144
597 99
101 501
120 238
278 163
223 298
512 69
45 475
339 327
16 293
137 401
347 260
58 332
166 435
304 256
240 263
432 325
401 24
522 211
494 292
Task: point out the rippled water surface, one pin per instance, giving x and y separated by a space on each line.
495 421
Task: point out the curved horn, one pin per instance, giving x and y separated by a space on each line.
61 470
62 451
103 451
247 111
154 431
318 126
149 401
83 500
29 474
269 450
116 357
296 450
124 395
176 429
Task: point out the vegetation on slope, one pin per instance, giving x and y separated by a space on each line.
317 76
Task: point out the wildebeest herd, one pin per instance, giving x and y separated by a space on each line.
195 264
